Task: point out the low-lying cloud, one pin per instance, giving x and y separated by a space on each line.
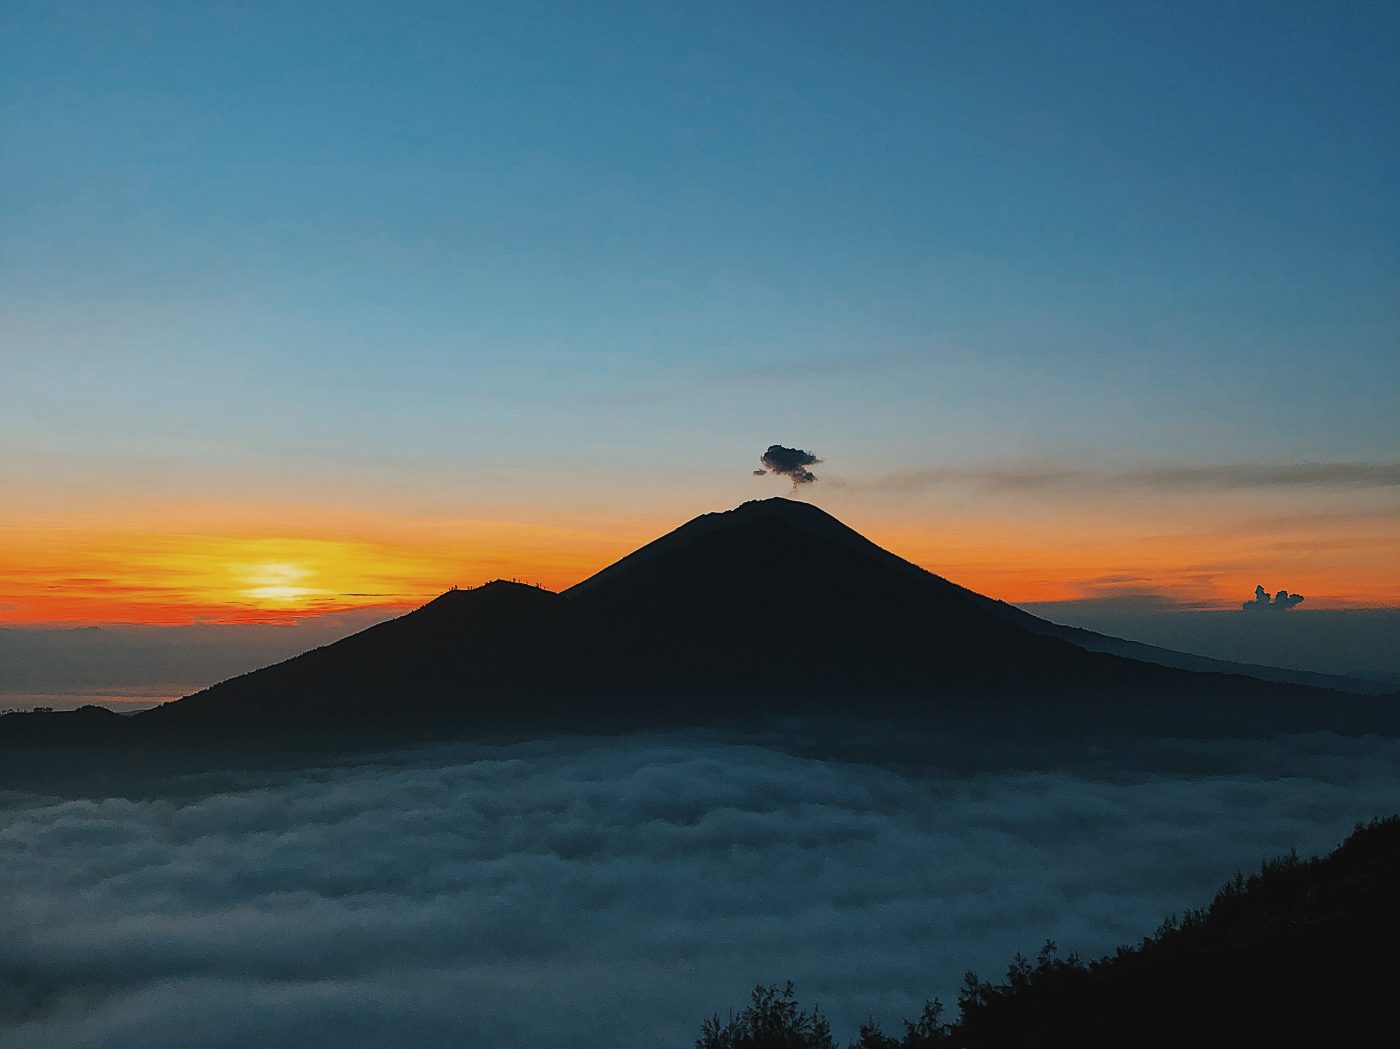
1281 602
792 463
612 892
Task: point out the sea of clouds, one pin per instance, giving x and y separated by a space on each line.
612 892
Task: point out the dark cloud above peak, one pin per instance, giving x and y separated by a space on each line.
789 462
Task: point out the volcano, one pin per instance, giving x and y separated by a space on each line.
774 608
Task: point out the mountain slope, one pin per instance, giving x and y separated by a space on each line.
772 608
779 596
778 599
468 656
1299 955
1092 641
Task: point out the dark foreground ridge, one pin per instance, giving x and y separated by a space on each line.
1301 954
771 608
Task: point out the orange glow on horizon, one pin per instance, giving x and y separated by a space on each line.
136 570
1348 563
203 563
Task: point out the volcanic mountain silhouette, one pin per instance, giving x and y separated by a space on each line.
774 607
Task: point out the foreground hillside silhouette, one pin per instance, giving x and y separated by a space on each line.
773 608
1300 954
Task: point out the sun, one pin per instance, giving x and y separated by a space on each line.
279 582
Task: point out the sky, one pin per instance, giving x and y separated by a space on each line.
317 309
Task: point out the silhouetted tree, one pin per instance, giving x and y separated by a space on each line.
927 1032
771 1020
1302 954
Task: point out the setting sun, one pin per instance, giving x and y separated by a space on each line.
279 583
202 563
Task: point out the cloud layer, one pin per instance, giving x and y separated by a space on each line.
612 892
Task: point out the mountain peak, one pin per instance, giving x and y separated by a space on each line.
493 590
795 513
798 509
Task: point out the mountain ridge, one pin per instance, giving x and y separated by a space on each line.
772 608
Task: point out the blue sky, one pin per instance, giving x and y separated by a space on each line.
600 256
1179 218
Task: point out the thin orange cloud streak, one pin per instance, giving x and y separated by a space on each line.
1339 562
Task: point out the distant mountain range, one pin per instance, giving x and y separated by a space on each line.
1099 642
774 607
